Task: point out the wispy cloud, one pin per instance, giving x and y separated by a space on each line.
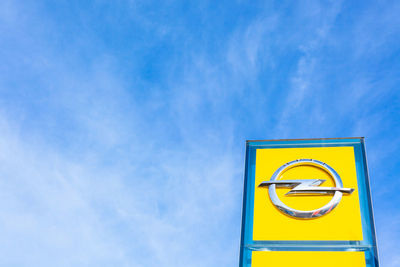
123 126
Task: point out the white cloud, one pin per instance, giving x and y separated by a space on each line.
97 168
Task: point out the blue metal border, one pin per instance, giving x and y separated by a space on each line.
368 244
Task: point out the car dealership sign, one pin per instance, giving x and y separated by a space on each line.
307 203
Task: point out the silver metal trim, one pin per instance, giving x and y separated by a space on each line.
305 139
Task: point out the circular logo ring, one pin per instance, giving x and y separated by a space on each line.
306 214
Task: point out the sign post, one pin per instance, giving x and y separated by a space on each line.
307 203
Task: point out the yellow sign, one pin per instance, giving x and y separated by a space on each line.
342 223
308 258
307 203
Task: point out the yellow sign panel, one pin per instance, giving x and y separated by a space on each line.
308 258
342 223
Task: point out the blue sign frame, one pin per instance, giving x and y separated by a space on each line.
367 245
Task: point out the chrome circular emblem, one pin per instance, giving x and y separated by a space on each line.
309 186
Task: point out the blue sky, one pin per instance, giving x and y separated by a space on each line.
123 123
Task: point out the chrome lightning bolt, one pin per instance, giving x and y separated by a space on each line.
310 186
304 187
